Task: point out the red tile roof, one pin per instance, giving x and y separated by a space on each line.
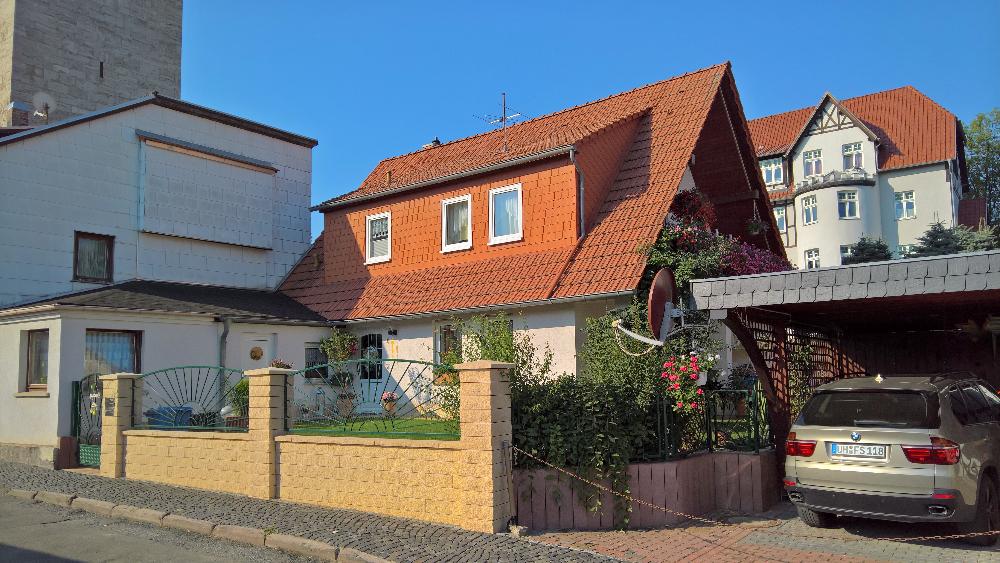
912 128
607 260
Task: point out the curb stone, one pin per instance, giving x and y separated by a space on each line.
203 527
60 499
253 536
302 546
99 507
129 512
22 494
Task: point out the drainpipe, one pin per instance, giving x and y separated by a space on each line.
223 338
579 173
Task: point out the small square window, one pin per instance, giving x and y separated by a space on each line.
456 223
779 218
505 214
812 258
37 368
847 205
93 257
315 362
378 236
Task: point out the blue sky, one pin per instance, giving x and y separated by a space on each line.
376 79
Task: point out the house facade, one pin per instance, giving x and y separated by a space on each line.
884 165
545 221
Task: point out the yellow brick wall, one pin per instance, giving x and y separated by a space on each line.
422 479
216 461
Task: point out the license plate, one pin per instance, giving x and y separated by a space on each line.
859 451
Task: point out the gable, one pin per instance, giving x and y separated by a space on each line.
830 117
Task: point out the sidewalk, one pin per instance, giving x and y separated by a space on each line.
777 536
396 539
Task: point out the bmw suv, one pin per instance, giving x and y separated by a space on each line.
906 448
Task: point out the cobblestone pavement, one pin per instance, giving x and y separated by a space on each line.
777 536
397 539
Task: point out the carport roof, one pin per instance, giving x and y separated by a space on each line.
170 297
924 291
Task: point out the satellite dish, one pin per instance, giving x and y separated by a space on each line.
661 303
661 310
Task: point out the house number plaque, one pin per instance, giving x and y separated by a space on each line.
109 406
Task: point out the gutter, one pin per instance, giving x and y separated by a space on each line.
579 196
488 308
557 151
223 339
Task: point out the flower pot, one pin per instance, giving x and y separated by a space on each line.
389 406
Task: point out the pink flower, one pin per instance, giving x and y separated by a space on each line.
676 386
680 404
672 378
664 374
694 376
700 392
684 368
668 364
694 405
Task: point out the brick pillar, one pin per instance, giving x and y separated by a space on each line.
116 418
486 434
268 392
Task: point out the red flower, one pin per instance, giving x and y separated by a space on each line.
694 376
680 404
664 374
684 368
700 392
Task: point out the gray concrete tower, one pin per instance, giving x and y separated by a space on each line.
76 56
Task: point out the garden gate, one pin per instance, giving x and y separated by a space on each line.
86 424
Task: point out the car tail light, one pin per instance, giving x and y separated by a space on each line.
799 448
943 496
940 452
789 482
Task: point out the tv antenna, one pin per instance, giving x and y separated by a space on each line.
503 118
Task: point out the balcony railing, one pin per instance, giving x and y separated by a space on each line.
852 177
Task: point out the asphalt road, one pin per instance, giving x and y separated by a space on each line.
42 532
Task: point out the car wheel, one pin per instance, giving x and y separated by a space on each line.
816 519
987 515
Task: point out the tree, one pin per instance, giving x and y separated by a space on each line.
938 240
982 146
868 250
975 240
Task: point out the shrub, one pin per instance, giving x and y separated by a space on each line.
339 346
239 398
868 249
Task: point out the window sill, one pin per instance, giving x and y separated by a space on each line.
88 280
32 395
849 218
456 248
383 260
505 240
899 219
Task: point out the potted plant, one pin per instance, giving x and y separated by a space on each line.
755 226
389 399
445 372
742 378
281 364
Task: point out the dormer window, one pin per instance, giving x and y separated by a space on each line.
378 238
852 156
456 231
771 169
813 162
505 214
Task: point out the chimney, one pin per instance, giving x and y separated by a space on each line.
435 143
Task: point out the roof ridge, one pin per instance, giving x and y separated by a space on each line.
552 114
845 100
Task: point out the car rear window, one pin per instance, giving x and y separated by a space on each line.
885 409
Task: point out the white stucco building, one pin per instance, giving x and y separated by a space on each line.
884 165
139 237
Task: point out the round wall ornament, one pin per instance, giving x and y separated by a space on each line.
256 353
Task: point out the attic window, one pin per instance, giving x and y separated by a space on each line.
505 214
378 238
772 171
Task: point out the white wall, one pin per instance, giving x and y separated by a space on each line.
831 231
87 177
933 198
28 420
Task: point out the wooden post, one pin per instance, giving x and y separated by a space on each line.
485 424
120 391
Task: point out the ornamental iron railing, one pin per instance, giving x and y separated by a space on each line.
375 397
192 398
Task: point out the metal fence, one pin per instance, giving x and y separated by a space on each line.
193 398
733 420
375 397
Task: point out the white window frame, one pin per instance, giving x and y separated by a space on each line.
783 223
857 204
519 235
369 259
852 150
846 250
776 166
815 155
811 263
906 250
806 207
445 247
896 198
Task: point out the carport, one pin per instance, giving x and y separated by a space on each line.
919 315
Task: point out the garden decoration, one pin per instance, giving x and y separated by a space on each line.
389 400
